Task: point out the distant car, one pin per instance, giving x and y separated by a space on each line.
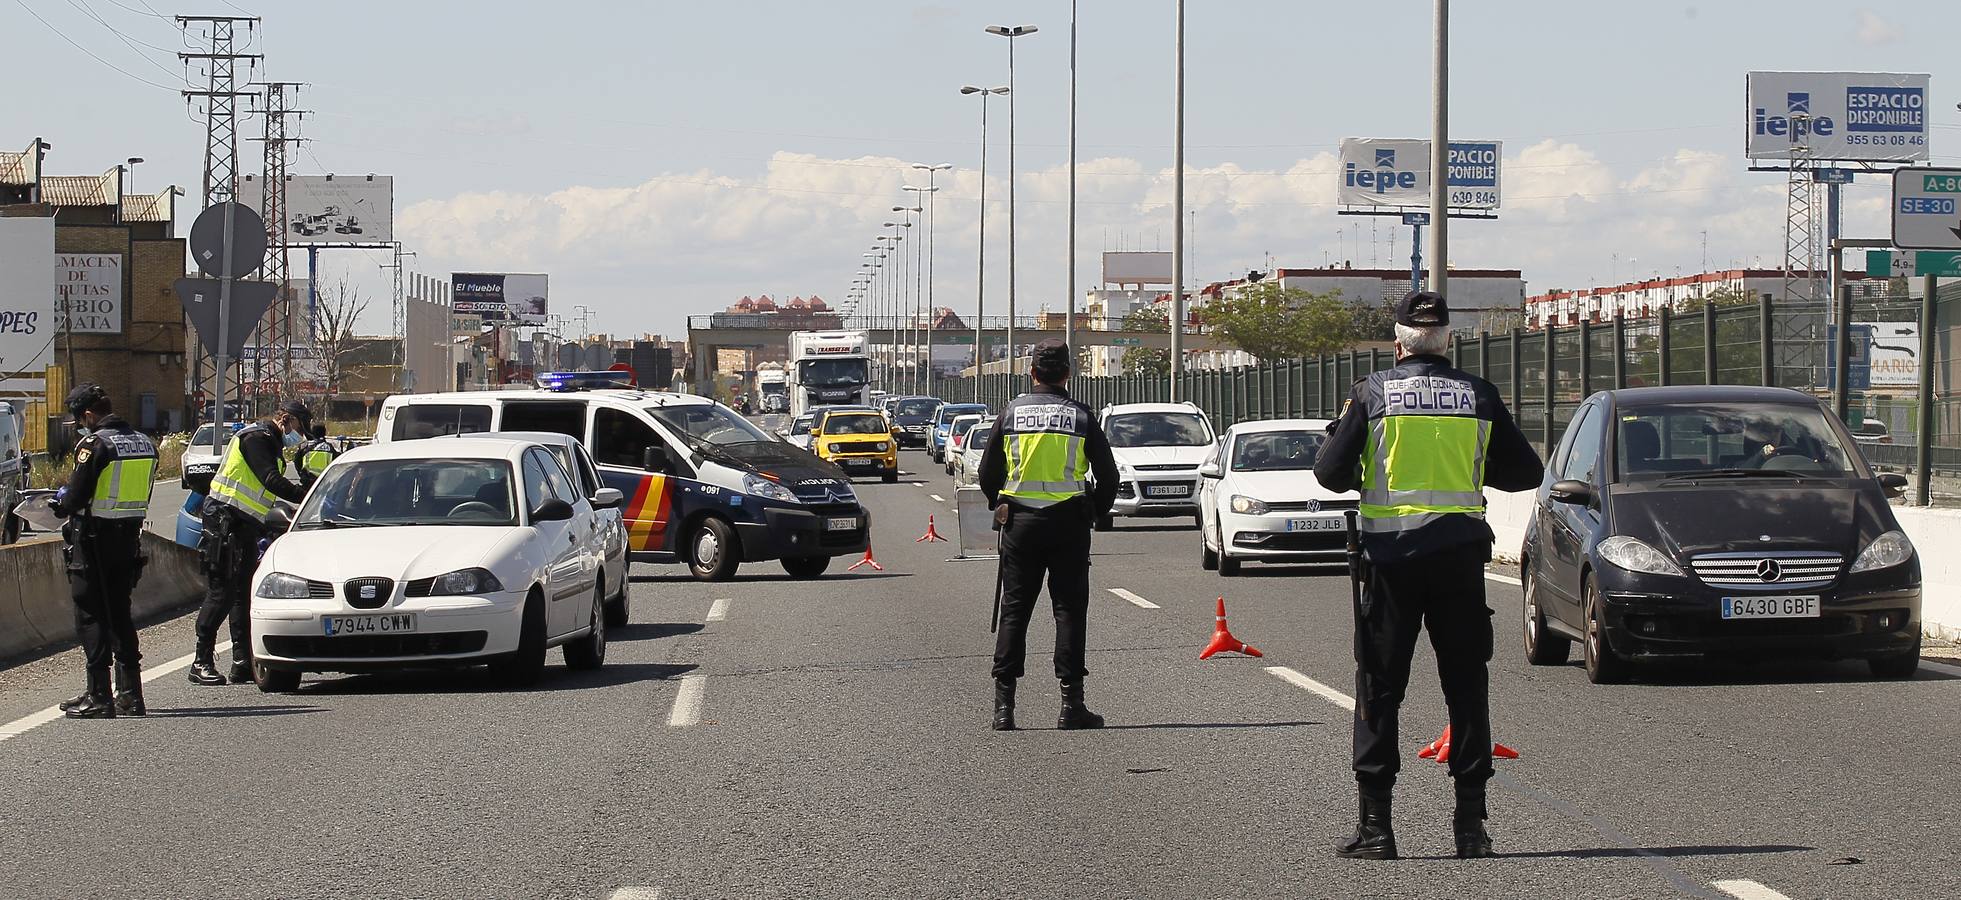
438 552
1728 522
942 426
1872 432
1259 500
202 456
859 442
966 466
1158 447
799 431
961 425
913 418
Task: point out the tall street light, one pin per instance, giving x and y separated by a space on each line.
980 284
932 217
1012 32
909 279
1178 209
900 302
875 259
1069 324
1440 153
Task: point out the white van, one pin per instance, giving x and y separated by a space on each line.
704 486
13 471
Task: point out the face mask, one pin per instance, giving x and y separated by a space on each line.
291 439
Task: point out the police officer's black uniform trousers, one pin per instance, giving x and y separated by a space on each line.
229 554
104 562
1442 592
1052 541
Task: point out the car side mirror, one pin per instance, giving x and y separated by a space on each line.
1893 483
280 517
1568 490
607 498
1211 469
553 510
654 459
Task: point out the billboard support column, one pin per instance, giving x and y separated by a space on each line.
1416 257
1440 152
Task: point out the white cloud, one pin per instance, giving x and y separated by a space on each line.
1875 31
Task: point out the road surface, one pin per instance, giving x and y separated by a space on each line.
771 738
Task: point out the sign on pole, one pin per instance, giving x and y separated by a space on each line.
1396 173
1927 209
248 240
331 209
1867 116
1910 263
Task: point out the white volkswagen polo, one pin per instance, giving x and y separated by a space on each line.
1259 500
439 552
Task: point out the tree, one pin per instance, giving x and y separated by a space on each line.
1147 360
1273 322
1373 321
333 332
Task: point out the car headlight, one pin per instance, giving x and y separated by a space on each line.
281 586
1245 505
766 489
882 446
1634 556
465 581
1889 549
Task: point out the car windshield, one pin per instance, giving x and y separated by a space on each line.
917 406
411 492
801 425
965 424
955 410
977 439
1729 439
202 437
833 372
856 423
1276 451
708 424
1164 429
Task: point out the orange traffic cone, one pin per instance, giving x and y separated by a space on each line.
932 533
1439 749
1222 639
867 561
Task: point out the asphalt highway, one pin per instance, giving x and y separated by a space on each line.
774 738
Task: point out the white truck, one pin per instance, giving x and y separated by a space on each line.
828 368
772 388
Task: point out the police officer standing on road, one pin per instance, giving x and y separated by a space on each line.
1421 441
1050 473
314 456
104 503
242 493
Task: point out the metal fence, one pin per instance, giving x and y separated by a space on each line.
1545 375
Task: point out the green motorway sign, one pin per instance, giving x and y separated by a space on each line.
1900 263
1945 183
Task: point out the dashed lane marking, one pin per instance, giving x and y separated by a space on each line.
29 722
635 893
1134 599
718 610
1503 579
937 498
1305 683
687 702
1744 889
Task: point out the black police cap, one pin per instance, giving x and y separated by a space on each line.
1051 354
84 397
1422 309
297 410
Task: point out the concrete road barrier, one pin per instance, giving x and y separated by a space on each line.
35 610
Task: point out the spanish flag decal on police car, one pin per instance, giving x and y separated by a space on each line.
647 514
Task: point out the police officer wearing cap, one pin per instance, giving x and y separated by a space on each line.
1421 441
104 503
314 456
1049 471
243 490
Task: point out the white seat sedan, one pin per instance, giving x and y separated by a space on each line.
966 466
957 435
438 552
1259 500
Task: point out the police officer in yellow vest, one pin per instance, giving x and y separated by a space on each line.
1421 441
104 503
1049 467
314 456
243 490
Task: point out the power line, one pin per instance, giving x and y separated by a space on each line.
91 53
131 42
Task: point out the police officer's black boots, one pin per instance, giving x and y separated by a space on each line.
1074 714
96 704
241 671
129 691
205 672
72 702
1468 824
1004 704
1373 838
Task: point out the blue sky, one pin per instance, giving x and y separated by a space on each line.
664 158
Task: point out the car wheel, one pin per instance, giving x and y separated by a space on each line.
1542 648
806 566
1898 666
589 652
523 666
274 681
619 610
889 478
1105 523
1603 666
1228 567
1208 559
712 550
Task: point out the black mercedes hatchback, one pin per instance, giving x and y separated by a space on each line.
1721 521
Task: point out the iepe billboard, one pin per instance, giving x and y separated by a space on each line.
499 298
1858 116
1396 173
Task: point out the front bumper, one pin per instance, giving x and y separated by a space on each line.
869 463
1269 538
1136 495
1654 616
787 532
450 631
911 436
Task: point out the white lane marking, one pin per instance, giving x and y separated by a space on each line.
919 484
1942 668
1302 681
1505 579
635 893
1744 889
1134 599
34 720
687 702
718 610
937 498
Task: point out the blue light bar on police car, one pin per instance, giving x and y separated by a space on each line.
583 381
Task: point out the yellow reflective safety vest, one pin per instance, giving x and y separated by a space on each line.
1429 432
236 485
125 478
1044 439
315 459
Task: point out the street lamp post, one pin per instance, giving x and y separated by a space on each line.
980 284
932 218
1178 209
1011 32
1069 325
1440 153
909 279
